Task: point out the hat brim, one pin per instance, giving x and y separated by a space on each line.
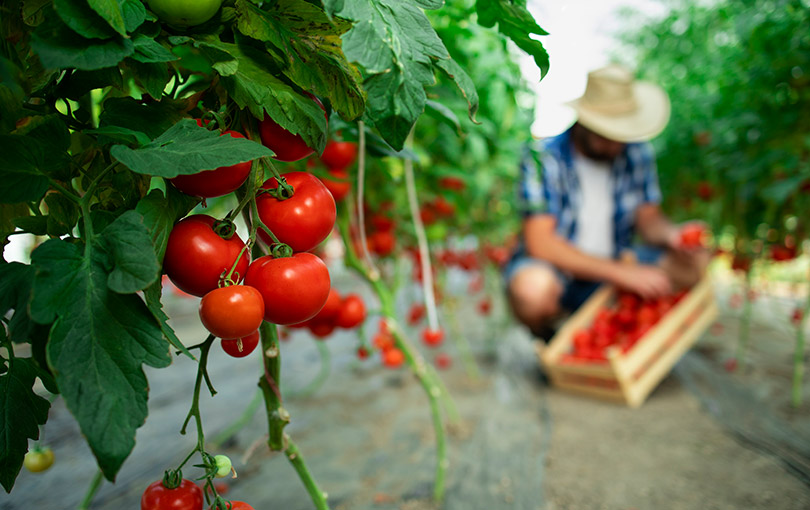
644 123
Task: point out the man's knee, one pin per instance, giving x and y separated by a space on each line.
535 293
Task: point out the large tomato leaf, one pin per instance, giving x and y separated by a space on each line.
111 12
308 44
149 50
59 47
152 76
82 19
463 82
515 22
98 343
63 213
187 148
252 85
152 118
26 165
9 213
15 294
396 46
135 265
22 411
78 83
152 295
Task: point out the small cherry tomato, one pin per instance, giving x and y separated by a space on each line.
294 288
196 257
443 361
232 312
302 221
352 312
432 337
38 459
224 465
241 347
339 154
393 358
321 329
188 496
362 352
383 341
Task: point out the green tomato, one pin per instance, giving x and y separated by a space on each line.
38 459
185 13
224 465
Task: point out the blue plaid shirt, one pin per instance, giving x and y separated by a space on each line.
555 190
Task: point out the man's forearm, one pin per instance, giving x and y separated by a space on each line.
568 258
653 226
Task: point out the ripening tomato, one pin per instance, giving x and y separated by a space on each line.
432 337
188 496
302 221
393 358
339 154
705 191
241 347
217 182
196 257
352 312
796 317
287 146
232 312
38 459
338 188
185 13
294 288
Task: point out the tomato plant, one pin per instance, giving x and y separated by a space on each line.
197 257
303 220
294 288
232 312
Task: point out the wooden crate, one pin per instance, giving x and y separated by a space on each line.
629 377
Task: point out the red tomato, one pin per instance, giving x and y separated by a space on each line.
393 358
196 256
232 312
485 306
427 215
432 337
443 207
452 183
647 314
705 191
362 352
240 505
287 146
339 188
339 154
382 223
782 253
302 221
330 309
383 341
443 361
294 288
217 182
381 243
321 329
628 300
797 316
692 236
582 340
188 496
241 347
416 313
352 312
741 262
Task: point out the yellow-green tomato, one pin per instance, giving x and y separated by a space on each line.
38 459
185 13
223 465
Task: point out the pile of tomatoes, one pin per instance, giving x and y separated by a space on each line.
622 324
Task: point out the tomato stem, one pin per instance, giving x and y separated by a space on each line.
95 483
297 460
361 177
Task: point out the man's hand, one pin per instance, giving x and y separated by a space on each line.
649 282
689 237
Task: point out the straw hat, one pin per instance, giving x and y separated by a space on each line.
620 108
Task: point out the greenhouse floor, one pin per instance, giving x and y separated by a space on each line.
705 439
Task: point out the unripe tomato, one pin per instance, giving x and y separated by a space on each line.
432 337
339 154
232 312
224 465
217 182
302 221
196 257
287 146
185 13
241 347
294 288
188 496
352 312
38 459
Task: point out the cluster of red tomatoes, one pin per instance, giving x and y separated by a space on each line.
337 157
392 356
345 312
380 237
622 324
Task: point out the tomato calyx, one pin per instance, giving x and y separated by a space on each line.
283 192
281 250
224 228
172 478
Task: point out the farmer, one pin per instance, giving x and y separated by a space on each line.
594 188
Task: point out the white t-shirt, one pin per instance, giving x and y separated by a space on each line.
594 234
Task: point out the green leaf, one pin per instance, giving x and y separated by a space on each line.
15 294
153 77
129 245
186 149
63 213
82 19
120 134
37 225
9 213
152 118
134 13
59 47
463 82
98 343
149 50
78 83
25 161
253 86
161 213
23 411
110 11
50 130
395 44
152 295
444 114
515 22
308 42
